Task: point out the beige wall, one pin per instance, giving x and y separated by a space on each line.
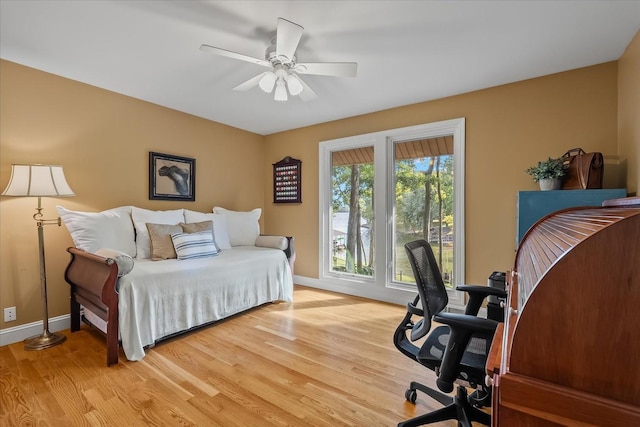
508 128
103 141
629 112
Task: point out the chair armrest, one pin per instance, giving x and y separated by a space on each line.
482 290
477 294
462 328
466 322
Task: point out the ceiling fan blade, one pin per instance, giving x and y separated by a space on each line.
338 69
234 55
307 93
252 82
288 36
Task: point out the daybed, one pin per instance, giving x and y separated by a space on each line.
141 276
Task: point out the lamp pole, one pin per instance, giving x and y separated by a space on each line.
46 339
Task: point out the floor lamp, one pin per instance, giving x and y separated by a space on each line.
40 181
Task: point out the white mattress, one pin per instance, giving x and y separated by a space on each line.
160 298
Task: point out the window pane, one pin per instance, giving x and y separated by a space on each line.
424 203
352 222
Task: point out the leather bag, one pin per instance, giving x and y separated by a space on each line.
582 170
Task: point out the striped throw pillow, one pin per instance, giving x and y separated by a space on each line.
194 245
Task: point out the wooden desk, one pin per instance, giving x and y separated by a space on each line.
569 350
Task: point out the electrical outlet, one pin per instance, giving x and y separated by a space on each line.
9 314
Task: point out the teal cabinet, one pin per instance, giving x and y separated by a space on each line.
533 205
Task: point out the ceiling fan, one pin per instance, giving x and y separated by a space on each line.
280 58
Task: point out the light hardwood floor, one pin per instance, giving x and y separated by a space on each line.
324 360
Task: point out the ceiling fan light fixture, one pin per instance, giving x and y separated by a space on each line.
281 91
285 71
268 81
293 84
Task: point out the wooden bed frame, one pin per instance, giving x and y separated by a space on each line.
93 284
93 281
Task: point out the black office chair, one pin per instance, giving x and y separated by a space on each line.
456 352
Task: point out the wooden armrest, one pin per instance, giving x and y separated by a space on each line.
495 353
93 281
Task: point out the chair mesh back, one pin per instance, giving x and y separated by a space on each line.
431 289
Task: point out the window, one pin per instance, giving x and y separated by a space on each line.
423 196
381 190
352 219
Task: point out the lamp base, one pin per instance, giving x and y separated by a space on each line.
46 340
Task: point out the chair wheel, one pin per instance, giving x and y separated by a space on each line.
480 398
411 395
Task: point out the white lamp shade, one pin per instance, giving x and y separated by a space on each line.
294 85
37 181
281 91
267 81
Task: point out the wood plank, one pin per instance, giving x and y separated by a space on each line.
552 403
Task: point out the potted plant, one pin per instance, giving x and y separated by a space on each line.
547 173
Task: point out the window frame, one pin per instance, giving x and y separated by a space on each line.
382 285
326 201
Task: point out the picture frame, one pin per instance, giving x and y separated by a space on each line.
171 177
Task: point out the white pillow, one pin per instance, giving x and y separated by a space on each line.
243 227
194 245
123 261
142 216
220 233
91 231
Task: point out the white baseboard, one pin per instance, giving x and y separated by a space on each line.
22 332
394 296
348 287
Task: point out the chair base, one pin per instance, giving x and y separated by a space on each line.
412 396
459 409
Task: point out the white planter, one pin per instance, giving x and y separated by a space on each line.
550 184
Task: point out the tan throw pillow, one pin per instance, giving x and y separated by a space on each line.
161 243
195 227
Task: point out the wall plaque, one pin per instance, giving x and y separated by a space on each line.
287 179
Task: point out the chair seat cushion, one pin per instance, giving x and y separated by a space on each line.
474 358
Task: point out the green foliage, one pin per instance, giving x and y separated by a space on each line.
347 265
410 208
413 178
411 184
406 177
341 185
546 169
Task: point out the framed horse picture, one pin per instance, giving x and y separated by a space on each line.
171 177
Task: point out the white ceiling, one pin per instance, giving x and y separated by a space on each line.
407 51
